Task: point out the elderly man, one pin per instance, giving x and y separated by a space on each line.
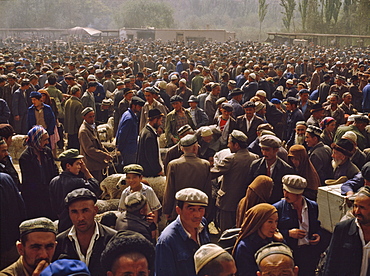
348 250
178 176
342 152
235 169
181 238
276 259
86 239
212 260
128 253
298 137
298 223
96 156
36 247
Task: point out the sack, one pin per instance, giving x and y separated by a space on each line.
228 239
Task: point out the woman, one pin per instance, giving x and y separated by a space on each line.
259 191
298 159
328 126
258 229
38 168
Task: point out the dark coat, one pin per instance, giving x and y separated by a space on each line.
127 221
48 117
66 247
241 124
320 156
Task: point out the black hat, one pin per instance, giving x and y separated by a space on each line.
249 104
227 106
344 146
365 171
78 194
137 101
235 92
316 107
193 99
293 100
155 113
176 98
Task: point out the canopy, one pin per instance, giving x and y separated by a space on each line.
83 30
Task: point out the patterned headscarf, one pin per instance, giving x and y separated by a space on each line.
34 137
324 123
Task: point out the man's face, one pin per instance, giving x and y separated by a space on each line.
277 265
92 89
361 209
216 91
304 97
75 168
125 265
193 104
288 106
338 157
36 102
39 246
3 151
148 97
269 153
311 141
290 197
133 179
136 108
177 105
191 215
347 99
300 87
82 214
333 101
231 145
300 130
157 122
90 117
11 81
226 113
249 111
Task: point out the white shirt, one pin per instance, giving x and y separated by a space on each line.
249 123
365 251
198 229
304 225
73 237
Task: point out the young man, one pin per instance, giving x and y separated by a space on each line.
249 122
73 118
198 115
40 114
225 123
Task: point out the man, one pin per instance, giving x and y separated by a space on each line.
305 105
196 82
333 109
184 92
4 111
317 114
172 86
75 175
212 260
324 89
197 114
294 115
276 259
249 122
235 169
19 107
225 123
359 128
347 252
56 94
73 119
181 238
36 247
127 132
86 239
137 216
6 163
128 253
362 178
148 149
178 176
96 156
315 78
299 224
343 150
40 114
339 87
236 98
177 118
319 154
87 98
347 105
271 165
298 138
210 106
366 97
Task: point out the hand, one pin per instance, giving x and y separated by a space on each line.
297 233
315 240
161 173
83 167
278 237
17 118
150 217
349 193
40 267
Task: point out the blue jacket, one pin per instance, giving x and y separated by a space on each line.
127 133
366 98
4 112
288 219
48 117
175 250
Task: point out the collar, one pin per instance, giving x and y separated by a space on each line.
73 235
152 128
185 234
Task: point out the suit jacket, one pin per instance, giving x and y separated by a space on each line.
338 114
48 117
148 152
170 128
200 117
179 177
127 132
88 99
282 168
91 148
241 124
344 255
315 81
235 169
320 156
144 117
73 117
67 247
19 103
210 106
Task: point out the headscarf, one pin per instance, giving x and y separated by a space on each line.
255 217
34 137
259 191
324 123
305 168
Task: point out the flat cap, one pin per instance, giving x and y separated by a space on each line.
37 225
289 81
70 154
137 101
259 106
174 77
221 100
79 194
316 107
275 101
249 104
182 81
227 106
270 141
135 201
206 131
193 99
188 140
261 93
176 98
273 248
239 136
205 254
294 184
314 130
91 77
231 83
302 91
192 196
66 267
365 171
86 110
35 94
182 130
292 100
133 168
155 113
235 92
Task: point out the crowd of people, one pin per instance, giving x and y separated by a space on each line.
242 133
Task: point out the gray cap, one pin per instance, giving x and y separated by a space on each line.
221 100
188 140
192 196
205 254
184 129
135 201
270 141
78 194
273 248
86 110
133 168
294 184
239 136
37 225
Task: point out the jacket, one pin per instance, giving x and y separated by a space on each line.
170 128
320 156
241 124
19 103
48 117
200 117
127 133
73 118
4 112
144 117
15 269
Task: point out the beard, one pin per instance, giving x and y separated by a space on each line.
299 139
336 162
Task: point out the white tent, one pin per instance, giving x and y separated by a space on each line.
83 30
